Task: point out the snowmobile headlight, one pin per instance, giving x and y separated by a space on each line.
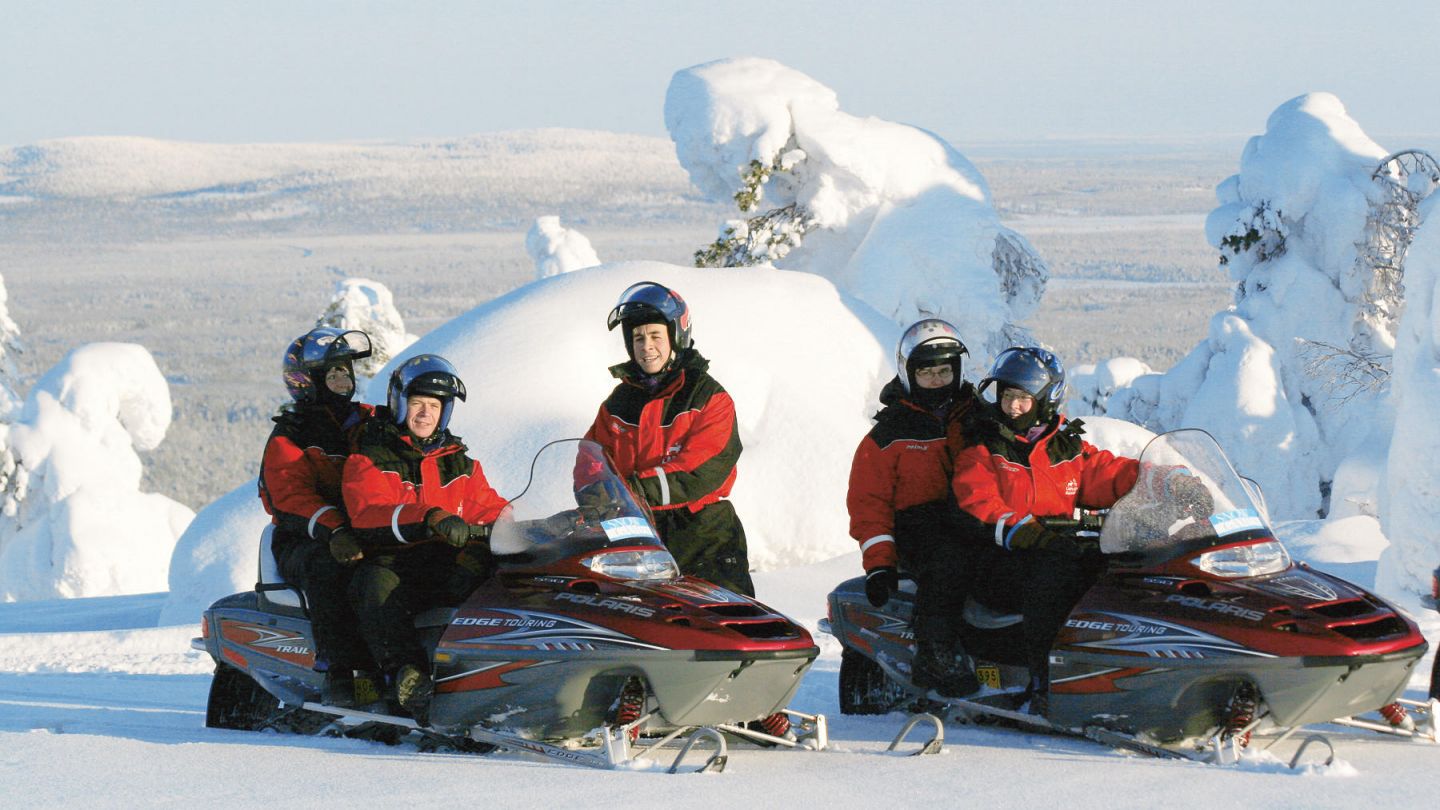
650 564
1253 560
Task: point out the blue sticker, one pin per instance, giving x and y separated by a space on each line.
627 527
1233 522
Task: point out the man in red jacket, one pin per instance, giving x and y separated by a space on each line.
1027 464
672 426
300 488
413 496
900 502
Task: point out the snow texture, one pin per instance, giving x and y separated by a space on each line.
1272 379
556 249
368 306
217 555
1410 513
82 527
893 215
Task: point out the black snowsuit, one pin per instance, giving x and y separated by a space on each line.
300 488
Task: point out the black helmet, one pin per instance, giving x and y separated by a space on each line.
648 302
931 342
426 375
1037 372
315 351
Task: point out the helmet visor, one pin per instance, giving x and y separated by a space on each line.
646 299
329 346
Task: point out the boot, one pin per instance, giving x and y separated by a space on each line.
339 688
940 660
413 691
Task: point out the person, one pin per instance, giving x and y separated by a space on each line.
299 486
671 426
413 495
900 503
1027 463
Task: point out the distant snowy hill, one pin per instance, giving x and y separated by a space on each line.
492 180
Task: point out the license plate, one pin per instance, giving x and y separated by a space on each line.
989 675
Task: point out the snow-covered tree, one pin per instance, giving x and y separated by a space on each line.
1410 506
368 306
13 477
84 528
890 213
1292 377
556 249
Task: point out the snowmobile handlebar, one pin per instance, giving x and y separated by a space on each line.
1087 524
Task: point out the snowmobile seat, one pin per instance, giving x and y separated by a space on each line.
271 586
985 617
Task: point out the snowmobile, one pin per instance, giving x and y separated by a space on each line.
587 646
1200 631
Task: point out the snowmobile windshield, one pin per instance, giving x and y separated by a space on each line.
576 504
1188 497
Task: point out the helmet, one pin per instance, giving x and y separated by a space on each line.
315 351
931 342
1037 372
648 302
426 375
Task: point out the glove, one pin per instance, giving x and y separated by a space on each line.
450 528
344 547
880 583
1191 495
1034 536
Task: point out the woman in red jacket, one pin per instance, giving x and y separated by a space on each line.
300 489
900 502
1028 463
413 494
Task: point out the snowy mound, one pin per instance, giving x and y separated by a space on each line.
891 213
80 524
804 363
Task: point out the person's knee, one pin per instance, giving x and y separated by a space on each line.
373 585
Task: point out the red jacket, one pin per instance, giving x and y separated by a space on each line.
301 467
902 467
1005 481
681 440
390 486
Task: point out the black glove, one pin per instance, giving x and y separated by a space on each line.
880 583
1191 495
344 547
450 528
1034 536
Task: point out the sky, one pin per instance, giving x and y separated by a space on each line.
298 70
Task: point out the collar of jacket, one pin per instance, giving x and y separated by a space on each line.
1060 423
894 395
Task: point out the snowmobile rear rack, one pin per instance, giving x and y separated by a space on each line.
930 746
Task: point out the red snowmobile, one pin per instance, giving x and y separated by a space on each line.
1201 631
587 646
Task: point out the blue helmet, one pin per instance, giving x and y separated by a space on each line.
427 375
312 353
931 342
1037 372
648 302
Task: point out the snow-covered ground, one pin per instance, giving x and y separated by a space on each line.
100 708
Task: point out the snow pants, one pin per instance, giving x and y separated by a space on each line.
388 590
325 582
933 550
709 544
1043 587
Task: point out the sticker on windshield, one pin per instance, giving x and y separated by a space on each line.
627 527
1238 520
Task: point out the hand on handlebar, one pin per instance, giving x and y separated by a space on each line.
451 529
